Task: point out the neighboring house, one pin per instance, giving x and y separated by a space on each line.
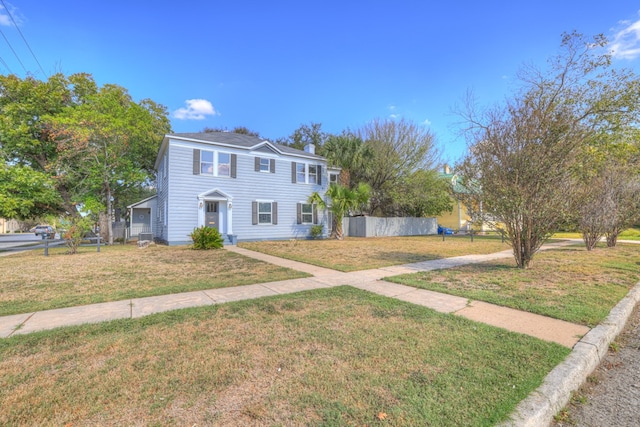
459 218
140 215
9 225
245 187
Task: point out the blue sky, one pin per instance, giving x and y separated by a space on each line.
274 65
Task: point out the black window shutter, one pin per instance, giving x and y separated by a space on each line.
315 214
293 172
319 175
274 213
196 162
272 165
234 165
299 213
254 213
257 164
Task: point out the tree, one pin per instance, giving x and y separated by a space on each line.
304 135
25 136
349 153
421 194
399 148
238 129
522 155
107 144
79 136
26 193
342 201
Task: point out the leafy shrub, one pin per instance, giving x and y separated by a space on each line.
206 238
73 235
316 231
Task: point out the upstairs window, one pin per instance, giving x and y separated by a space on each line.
206 162
214 163
264 164
304 173
313 174
224 164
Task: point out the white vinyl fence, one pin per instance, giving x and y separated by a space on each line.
368 226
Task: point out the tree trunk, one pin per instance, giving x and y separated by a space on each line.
109 220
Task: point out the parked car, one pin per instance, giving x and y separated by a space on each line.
45 230
444 230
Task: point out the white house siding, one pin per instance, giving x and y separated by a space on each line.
183 188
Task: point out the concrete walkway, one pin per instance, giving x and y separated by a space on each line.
545 328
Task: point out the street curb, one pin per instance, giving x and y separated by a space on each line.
555 392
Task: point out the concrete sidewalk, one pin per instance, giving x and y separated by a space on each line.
546 328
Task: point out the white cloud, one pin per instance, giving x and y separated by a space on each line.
4 18
626 41
426 122
196 109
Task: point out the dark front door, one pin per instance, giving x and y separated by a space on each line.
211 215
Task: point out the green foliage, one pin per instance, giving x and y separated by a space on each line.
343 201
26 193
76 228
306 134
349 153
316 231
205 238
421 194
85 139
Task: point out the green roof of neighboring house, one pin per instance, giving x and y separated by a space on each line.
456 183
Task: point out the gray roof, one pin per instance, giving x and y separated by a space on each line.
240 140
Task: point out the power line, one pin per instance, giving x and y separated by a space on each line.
14 52
23 38
5 65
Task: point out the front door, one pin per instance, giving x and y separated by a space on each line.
211 215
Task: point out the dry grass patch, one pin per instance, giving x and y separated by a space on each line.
566 283
31 281
360 253
336 356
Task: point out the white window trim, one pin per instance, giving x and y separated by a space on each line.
270 202
268 169
217 164
302 213
213 162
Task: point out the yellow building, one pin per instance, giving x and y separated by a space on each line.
459 218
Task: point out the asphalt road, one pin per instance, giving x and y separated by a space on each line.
20 241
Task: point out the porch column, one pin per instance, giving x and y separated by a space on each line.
229 217
200 207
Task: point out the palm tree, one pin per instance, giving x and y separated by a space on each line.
347 152
343 201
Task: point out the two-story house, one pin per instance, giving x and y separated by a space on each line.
246 187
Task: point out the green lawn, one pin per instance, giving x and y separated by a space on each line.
32 282
363 253
566 283
332 357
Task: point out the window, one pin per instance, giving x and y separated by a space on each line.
264 213
206 162
306 174
224 164
306 213
313 174
301 172
333 178
264 165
